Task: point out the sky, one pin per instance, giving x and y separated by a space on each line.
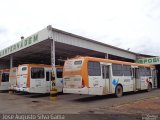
128 24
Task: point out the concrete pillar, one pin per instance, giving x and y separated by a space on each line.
106 55
11 61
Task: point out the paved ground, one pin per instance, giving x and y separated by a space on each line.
130 103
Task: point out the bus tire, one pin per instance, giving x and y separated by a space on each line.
118 91
149 88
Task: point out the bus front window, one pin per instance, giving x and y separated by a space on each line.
59 72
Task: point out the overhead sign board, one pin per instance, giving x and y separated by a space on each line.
23 43
33 39
154 60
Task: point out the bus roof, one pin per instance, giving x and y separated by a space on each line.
4 70
111 61
41 65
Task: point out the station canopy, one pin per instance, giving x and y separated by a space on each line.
37 49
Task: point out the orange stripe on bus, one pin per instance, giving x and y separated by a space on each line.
85 73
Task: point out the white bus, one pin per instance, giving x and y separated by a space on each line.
97 76
13 79
37 78
4 79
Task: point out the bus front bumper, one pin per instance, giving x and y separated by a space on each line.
89 91
21 89
12 88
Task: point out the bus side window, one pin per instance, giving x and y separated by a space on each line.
103 70
47 76
94 68
148 71
137 73
127 70
117 70
5 77
141 73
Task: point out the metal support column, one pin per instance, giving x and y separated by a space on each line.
106 55
53 53
53 91
11 61
53 85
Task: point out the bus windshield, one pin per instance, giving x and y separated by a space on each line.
59 72
37 73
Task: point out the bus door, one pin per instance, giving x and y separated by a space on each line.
136 79
106 77
48 80
59 81
154 78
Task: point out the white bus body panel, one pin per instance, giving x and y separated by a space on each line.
4 86
145 81
96 85
38 86
74 81
125 81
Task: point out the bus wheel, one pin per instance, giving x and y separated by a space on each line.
119 91
149 87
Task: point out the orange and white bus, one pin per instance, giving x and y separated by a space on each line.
37 78
13 79
4 79
97 76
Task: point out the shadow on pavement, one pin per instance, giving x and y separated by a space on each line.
97 98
